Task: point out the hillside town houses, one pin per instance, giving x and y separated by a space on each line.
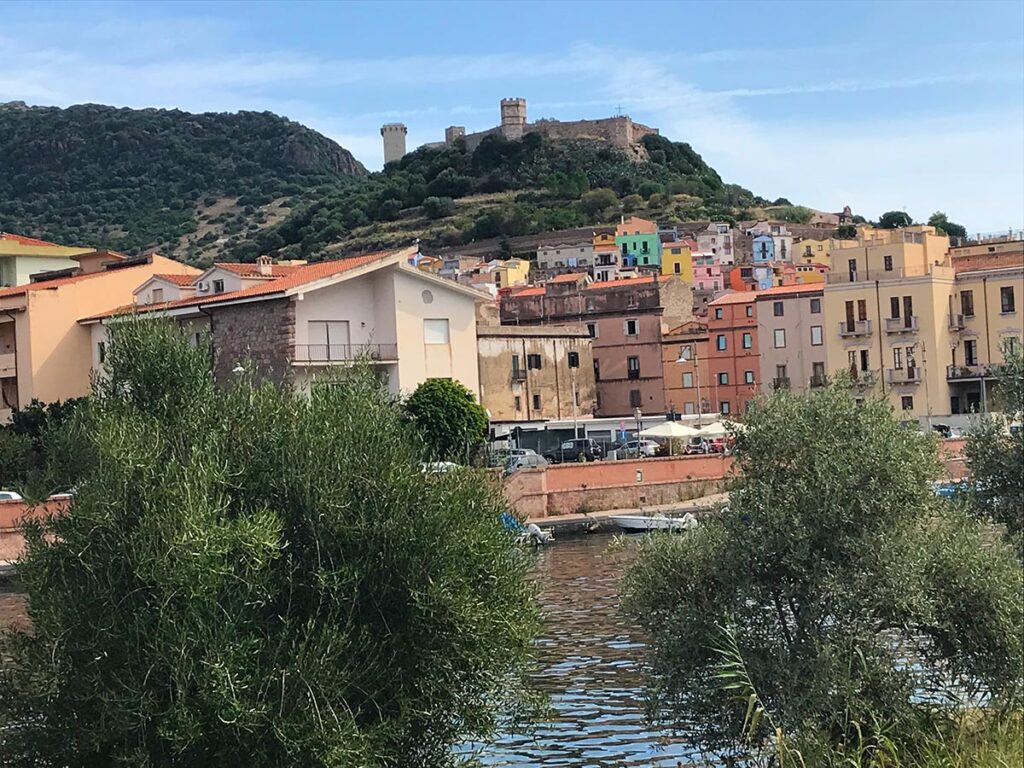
589 333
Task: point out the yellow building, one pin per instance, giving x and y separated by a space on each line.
811 251
677 259
44 352
606 257
511 272
22 257
909 324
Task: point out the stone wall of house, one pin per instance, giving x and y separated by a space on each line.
260 334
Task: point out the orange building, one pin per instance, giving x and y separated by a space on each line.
685 363
733 355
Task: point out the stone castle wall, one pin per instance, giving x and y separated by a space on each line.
620 132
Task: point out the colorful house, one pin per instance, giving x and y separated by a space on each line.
707 273
677 259
638 242
764 249
606 257
22 257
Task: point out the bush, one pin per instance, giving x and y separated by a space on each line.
453 425
255 577
834 563
649 188
632 203
598 200
438 207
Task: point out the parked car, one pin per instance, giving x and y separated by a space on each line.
500 456
580 449
706 445
631 449
10 496
525 461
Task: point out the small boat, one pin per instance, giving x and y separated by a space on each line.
642 523
531 534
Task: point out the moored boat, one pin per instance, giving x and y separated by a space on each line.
642 523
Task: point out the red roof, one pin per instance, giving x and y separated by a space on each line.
24 240
736 297
783 290
183 280
299 275
533 290
253 270
571 277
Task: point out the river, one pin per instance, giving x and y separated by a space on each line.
590 667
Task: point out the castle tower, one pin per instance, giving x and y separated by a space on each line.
453 132
394 141
513 118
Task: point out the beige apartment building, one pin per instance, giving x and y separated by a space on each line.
909 322
791 338
536 373
22 257
44 353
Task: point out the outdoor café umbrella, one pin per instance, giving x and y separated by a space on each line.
672 430
716 429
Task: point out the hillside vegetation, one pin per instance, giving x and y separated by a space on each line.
199 187
136 179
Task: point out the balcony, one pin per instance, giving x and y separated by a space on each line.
854 328
780 383
956 322
817 381
862 379
518 374
901 324
633 373
8 366
964 372
345 353
909 375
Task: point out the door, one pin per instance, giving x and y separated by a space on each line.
849 317
908 311
329 340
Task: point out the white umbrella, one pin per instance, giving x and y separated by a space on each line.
717 429
669 429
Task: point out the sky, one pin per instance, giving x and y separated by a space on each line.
915 106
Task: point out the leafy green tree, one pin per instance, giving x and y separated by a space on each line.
597 201
438 207
995 452
453 425
649 188
781 201
846 231
833 563
894 220
947 227
632 203
251 576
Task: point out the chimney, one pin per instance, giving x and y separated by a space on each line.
264 265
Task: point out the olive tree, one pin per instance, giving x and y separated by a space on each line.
995 452
851 590
254 577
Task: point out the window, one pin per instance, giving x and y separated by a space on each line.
590 305
533 362
970 352
851 265
685 352
1012 344
864 360
723 377
597 370
218 286
630 327
750 310
897 358
816 336
677 268
748 340
748 377
888 263
517 403
907 402
718 313
1006 302
688 408
687 380
778 309
894 307
517 369
967 303
328 340
720 342
780 338
631 300
818 373
634 398
592 330
781 372
158 294
633 367
435 331
724 407
862 309
574 359
815 306
536 402
101 351
851 360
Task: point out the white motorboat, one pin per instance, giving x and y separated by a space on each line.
642 523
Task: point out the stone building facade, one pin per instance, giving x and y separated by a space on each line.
536 373
264 339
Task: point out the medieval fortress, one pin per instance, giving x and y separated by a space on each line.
619 131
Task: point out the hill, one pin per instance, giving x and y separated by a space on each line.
138 179
448 196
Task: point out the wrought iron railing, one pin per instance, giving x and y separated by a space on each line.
342 353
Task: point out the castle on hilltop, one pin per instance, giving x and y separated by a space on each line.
619 131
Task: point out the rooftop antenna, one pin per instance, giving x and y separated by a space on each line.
618 111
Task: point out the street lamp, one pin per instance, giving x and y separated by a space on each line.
684 357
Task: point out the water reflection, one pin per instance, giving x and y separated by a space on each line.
590 667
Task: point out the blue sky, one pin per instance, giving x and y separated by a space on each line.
915 105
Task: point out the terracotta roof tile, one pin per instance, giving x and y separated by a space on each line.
783 290
534 290
987 261
252 270
571 277
22 240
183 280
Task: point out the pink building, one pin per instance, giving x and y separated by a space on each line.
707 273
